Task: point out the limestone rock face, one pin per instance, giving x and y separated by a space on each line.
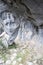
36 7
20 20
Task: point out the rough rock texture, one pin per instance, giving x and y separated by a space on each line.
20 22
36 7
27 17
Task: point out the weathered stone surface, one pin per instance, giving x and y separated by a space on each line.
36 7
30 49
26 18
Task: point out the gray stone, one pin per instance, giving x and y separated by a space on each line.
17 21
36 7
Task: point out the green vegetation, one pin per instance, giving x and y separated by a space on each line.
23 55
12 46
